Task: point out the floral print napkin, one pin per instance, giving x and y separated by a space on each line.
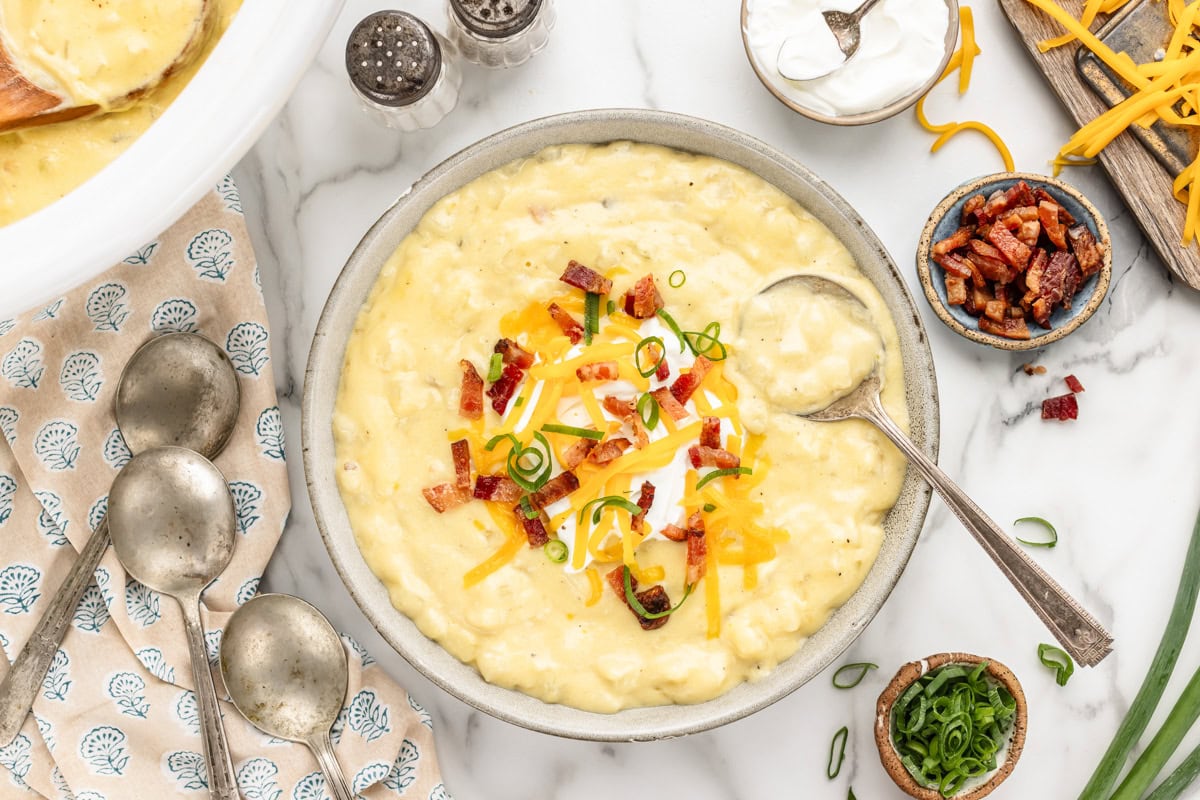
116 717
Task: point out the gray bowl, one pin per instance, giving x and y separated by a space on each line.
902 525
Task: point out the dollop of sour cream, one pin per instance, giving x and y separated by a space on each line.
902 45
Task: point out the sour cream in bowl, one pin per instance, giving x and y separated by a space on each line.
905 45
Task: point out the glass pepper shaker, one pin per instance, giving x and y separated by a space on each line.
500 33
405 74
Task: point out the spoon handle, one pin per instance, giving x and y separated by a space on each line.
25 676
862 10
222 784
335 779
1078 631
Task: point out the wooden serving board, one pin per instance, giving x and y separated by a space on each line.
1143 183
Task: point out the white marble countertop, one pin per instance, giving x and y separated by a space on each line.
1121 482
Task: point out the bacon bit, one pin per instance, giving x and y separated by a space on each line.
1019 195
667 402
446 496
609 450
954 241
1009 328
989 261
710 432
654 599
686 384
1051 224
1064 216
1073 384
1087 251
497 489
570 326
555 489
956 290
539 214
460 452
1063 407
621 409
503 389
702 456
645 500
641 436
663 372
644 299
574 455
1033 369
1029 232
535 529
955 264
973 205
1013 251
585 278
697 555
512 353
598 371
674 533
470 401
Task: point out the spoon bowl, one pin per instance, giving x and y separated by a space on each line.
285 670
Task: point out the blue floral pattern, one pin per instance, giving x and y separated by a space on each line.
106 307
58 681
311 787
256 778
141 603
103 748
229 193
247 591
269 429
152 659
143 255
210 254
57 445
8 488
246 497
15 758
50 311
8 424
175 315
52 522
116 452
92 613
19 588
370 775
128 691
247 348
367 716
187 712
22 365
188 769
404 771
81 377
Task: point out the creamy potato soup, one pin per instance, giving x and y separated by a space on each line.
623 518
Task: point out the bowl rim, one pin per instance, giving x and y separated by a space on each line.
925 271
914 670
322 378
863 117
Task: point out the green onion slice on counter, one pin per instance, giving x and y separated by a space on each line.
640 609
495 367
1058 660
555 550
857 671
646 372
676 279
720 473
837 748
591 316
571 430
851 795
1053 534
647 409
674 326
601 503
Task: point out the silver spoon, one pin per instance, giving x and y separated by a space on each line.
1078 631
173 525
847 30
178 388
285 670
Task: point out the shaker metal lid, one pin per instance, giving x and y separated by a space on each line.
496 19
393 58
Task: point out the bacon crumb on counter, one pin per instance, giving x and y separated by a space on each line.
598 371
609 450
535 529
575 454
446 496
702 456
1063 407
497 488
667 402
645 500
460 452
512 353
555 489
644 299
503 389
585 278
570 326
470 401
1033 369
687 383
621 409
1073 384
654 599
710 432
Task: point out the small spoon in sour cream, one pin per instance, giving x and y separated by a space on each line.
822 44
844 325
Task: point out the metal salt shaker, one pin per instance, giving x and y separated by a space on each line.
405 73
500 33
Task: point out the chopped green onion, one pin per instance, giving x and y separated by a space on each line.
571 430
640 609
676 279
707 343
612 307
495 440
591 316
1057 660
555 550
709 508
520 401
720 473
1053 533
860 668
527 508
647 409
646 372
602 503
837 748
674 326
530 466
495 368
851 795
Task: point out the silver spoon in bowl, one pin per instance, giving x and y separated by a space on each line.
847 31
177 389
285 670
1078 631
173 526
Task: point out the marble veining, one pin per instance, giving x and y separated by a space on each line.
1120 483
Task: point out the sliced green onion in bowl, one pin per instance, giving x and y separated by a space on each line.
647 408
657 341
709 508
674 326
612 307
1058 660
591 316
601 503
1050 531
527 508
571 430
529 466
495 367
555 550
676 279
721 473
857 670
640 609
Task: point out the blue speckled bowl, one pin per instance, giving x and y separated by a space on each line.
947 217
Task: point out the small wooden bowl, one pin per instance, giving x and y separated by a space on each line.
946 218
911 672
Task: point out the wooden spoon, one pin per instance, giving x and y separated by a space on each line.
25 104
